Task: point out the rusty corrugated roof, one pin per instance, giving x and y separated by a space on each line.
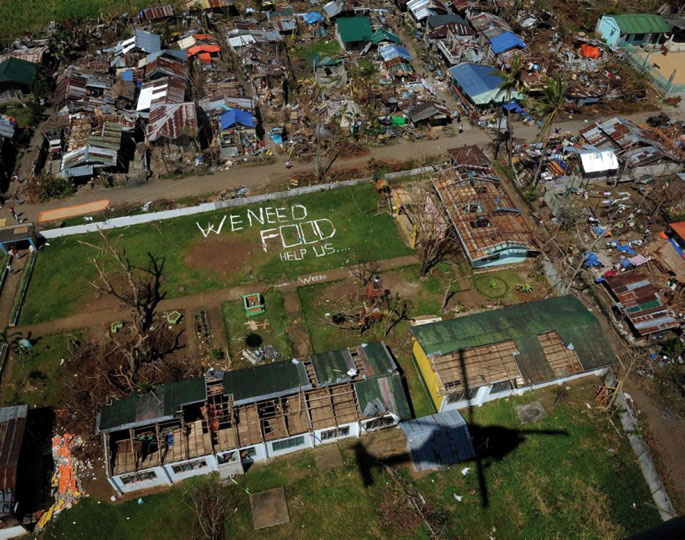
641 303
171 120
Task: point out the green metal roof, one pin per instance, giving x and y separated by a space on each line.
17 71
353 29
522 323
332 366
641 23
384 35
388 390
380 361
163 402
266 380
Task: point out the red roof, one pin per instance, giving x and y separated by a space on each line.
679 229
198 49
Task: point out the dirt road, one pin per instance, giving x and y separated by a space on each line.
268 175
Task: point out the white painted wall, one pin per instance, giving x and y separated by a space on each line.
355 429
162 479
308 443
210 460
484 395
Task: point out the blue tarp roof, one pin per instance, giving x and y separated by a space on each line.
438 440
512 106
475 79
313 17
127 75
505 42
236 116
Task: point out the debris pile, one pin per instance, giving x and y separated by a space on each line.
65 482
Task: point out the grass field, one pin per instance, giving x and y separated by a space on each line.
19 16
196 264
582 482
276 333
37 379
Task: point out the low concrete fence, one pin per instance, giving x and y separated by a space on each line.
127 221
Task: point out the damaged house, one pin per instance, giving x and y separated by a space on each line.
227 420
640 303
640 149
490 228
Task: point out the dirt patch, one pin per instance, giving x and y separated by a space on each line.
222 255
328 457
269 508
296 325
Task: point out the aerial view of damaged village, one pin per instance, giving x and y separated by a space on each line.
339 270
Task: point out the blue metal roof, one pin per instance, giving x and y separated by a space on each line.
438 440
394 51
236 116
475 79
505 42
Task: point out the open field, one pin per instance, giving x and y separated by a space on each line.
570 475
37 377
302 235
20 16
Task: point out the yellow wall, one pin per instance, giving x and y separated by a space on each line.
429 376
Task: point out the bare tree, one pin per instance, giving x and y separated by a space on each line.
435 237
136 287
211 504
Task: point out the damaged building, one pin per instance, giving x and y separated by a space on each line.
226 421
494 354
490 228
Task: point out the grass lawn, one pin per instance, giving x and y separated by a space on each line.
38 378
328 229
322 48
580 483
20 16
275 334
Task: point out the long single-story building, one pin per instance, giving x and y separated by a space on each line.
228 420
490 355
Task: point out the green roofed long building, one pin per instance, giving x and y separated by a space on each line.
493 354
226 420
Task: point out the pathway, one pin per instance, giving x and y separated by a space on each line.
100 318
267 176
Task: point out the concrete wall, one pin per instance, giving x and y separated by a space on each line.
484 392
127 221
354 432
162 478
608 30
210 461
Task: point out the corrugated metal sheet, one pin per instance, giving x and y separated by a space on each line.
162 12
438 440
278 378
641 302
12 426
574 323
165 66
171 120
164 90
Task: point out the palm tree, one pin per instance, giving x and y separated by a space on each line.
513 82
549 107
